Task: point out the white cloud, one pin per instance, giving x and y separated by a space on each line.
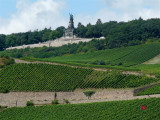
124 10
49 13
34 15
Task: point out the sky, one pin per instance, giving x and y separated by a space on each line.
25 15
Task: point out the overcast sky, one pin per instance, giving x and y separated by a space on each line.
24 15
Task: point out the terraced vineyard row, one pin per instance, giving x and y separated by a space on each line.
118 110
45 77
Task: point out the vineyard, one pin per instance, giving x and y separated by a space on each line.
118 110
124 56
45 77
150 91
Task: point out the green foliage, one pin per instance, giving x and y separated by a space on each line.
29 103
30 37
2 42
66 101
5 60
55 102
4 91
97 62
89 93
53 35
116 110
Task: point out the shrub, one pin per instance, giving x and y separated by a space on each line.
54 102
4 91
102 62
30 103
66 101
5 106
97 62
89 93
120 63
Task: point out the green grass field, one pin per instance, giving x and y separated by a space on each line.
45 77
117 110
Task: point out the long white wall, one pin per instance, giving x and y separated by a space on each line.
53 43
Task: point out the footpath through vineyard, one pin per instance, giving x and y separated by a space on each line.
40 98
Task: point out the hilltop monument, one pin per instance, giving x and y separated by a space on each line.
69 32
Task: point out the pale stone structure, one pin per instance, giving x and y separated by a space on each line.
69 32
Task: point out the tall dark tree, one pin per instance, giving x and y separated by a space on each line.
99 22
2 42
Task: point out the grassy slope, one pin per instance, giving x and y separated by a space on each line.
128 56
118 110
45 77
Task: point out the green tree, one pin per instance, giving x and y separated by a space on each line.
2 42
53 35
99 21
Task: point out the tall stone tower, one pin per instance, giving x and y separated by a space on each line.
69 32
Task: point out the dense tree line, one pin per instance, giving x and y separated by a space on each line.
122 33
117 34
30 37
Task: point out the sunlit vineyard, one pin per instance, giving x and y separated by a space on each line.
118 110
124 56
45 77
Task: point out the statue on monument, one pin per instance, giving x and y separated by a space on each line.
69 32
71 17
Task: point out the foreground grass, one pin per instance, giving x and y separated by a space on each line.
118 110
